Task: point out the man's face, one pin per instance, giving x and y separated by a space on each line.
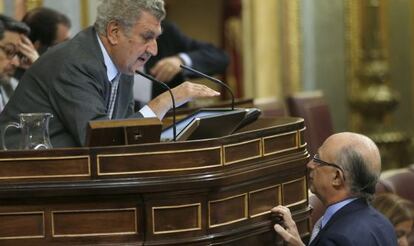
319 180
135 49
323 171
62 33
8 49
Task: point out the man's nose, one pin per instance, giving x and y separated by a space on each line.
310 164
153 48
15 61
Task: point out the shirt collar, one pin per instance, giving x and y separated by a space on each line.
332 209
111 69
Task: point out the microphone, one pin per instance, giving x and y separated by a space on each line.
211 79
171 94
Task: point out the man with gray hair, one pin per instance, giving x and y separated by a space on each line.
90 77
343 175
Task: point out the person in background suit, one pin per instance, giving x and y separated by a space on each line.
90 77
18 51
343 175
48 27
176 48
399 211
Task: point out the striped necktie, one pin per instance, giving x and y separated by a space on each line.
112 98
316 228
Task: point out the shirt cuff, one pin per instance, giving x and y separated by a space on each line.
186 59
147 112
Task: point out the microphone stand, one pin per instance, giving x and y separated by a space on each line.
172 98
211 79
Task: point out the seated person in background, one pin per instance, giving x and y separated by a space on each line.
174 49
90 77
47 28
398 211
343 176
17 51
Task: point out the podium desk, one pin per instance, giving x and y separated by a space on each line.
205 192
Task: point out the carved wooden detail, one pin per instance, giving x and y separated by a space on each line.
214 191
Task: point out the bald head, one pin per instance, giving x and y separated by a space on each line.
358 156
361 144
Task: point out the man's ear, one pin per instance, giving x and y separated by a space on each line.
113 32
338 179
37 44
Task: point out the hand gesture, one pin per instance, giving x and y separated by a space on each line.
28 52
288 231
166 69
183 93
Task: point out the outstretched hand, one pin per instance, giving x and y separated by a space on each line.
183 93
288 231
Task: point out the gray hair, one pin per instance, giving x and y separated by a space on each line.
360 177
126 13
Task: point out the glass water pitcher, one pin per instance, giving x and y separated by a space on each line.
34 129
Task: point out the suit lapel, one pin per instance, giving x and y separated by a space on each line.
349 208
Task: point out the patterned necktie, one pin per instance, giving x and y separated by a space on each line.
316 228
112 98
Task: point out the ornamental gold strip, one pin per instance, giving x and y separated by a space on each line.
26 213
198 205
98 157
246 209
93 234
304 192
279 197
244 159
49 158
282 150
299 139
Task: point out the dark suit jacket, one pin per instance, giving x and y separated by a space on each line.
69 81
357 223
205 57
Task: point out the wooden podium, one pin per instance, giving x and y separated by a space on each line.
205 192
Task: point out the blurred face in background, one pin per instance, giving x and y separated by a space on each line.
62 34
9 47
402 230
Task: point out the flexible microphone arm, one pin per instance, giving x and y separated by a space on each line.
211 79
172 98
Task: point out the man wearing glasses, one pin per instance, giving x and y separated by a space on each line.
15 50
343 175
90 77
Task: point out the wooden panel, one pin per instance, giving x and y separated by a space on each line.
21 225
242 151
227 211
180 218
77 223
44 167
303 226
261 201
280 143
163 161
294 192
123 132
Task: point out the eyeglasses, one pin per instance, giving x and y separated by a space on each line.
10 50
317 160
